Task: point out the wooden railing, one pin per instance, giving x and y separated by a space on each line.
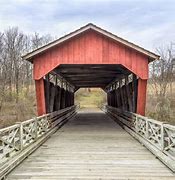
19 140
158 137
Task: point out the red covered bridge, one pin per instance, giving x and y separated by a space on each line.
91 57
90 145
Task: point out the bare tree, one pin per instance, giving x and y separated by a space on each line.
2 84
38 41
161 78
14 41
16 74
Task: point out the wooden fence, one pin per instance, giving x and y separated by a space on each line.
21 139
158 137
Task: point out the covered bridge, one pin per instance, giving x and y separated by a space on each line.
90 57
89 145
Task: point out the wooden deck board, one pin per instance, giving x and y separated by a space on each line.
91 146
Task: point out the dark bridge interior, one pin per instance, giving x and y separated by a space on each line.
92 75
117 81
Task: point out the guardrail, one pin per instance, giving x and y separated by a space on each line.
21 139
158 137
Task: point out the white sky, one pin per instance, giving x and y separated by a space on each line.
148 23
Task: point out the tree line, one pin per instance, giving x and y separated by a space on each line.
14 72
162 82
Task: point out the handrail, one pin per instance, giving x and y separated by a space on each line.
159 134
16 138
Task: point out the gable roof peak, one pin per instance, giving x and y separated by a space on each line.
29 56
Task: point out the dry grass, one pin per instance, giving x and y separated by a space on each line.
90 98
13 112
161 108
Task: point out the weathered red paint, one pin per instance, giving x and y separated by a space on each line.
40 97
141 96
91 48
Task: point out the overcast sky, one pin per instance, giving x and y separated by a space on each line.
149 23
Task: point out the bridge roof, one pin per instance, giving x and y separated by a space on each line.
91 75
151 56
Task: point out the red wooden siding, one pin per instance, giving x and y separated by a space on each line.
40 97
141 96
91 48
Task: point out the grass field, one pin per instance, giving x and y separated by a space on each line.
90 98
12 112
161 108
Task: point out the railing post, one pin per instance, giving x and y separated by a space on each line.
20 135
46 123
36 128
147 129
136 124
162 137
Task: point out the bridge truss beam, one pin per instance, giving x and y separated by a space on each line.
127 93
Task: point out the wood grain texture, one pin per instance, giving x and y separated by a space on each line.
141 96
40 97
91 48
91 146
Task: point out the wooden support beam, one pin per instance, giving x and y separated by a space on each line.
76 89
83 70
52 97
141 96
125 98
73 97
66 98
78 75
40 96
57 99
118 98
62 79
134 91
62 98
90 78
109 98
104 90
121 96
129 98
113 98
47 92
91 81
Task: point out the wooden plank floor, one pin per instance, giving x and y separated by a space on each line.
91 146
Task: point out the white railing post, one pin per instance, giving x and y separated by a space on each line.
36 128
162 137
136 124
147 129
46 123
21 145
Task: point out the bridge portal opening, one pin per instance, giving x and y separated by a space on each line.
115 83
90 98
